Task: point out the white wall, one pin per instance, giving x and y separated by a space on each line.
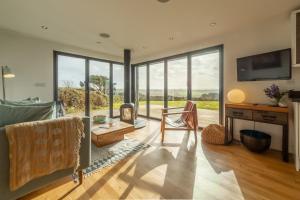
31 60
270 35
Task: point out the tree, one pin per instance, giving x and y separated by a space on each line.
68 84
101 83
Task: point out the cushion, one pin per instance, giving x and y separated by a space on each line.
214 134
18 103
10 114
22 102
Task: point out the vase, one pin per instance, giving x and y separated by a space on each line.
283 102
280 102
275 102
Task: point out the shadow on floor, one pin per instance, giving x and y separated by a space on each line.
176 173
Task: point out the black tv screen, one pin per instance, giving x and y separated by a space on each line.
274 65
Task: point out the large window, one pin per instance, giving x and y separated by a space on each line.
156 89
205 86
118 88
99 88
177 82
171 81
76 76
141 80
71 84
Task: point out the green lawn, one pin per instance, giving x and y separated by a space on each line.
209 105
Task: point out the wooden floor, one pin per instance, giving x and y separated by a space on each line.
184 169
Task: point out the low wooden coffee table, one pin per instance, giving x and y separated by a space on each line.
103 134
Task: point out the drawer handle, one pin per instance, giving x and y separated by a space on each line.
237 113
269 118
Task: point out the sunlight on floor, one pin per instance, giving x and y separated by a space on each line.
214 176
211 184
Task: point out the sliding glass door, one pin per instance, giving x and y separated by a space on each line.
177 82
206 86
156 89
99 88
118 88
171 81
141 87
88 86
71 84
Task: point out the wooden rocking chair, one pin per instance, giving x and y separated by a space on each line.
188 119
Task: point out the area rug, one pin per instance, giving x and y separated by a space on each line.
111 154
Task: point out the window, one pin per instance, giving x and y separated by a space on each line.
71 87
196 76
142 90
205 86
76 76
99 87
177 82
118 88
156 89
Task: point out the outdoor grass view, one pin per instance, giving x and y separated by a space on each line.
207 104
209 99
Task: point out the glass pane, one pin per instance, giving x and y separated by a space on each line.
177 82
71 84
205 87
156 85
99 88
118 87
142 90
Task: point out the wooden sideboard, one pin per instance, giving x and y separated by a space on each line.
258 113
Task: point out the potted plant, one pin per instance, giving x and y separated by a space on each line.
274 93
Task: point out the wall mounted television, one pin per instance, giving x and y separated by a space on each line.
274 65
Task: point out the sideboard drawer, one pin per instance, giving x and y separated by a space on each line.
270 117
239 113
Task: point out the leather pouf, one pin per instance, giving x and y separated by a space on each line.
214 134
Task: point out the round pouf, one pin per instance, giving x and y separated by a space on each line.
213 134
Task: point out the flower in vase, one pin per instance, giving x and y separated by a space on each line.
273 92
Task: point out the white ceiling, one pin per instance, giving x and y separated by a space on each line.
144 26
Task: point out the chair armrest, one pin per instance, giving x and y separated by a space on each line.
176 113
172 108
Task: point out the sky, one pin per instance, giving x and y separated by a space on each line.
72 70
205 72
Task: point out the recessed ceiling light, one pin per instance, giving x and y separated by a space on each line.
163 1
44 27
104 35
213 24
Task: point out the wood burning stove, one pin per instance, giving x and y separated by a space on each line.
127 113
127 110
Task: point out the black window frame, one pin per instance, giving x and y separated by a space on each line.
87 75
188 55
